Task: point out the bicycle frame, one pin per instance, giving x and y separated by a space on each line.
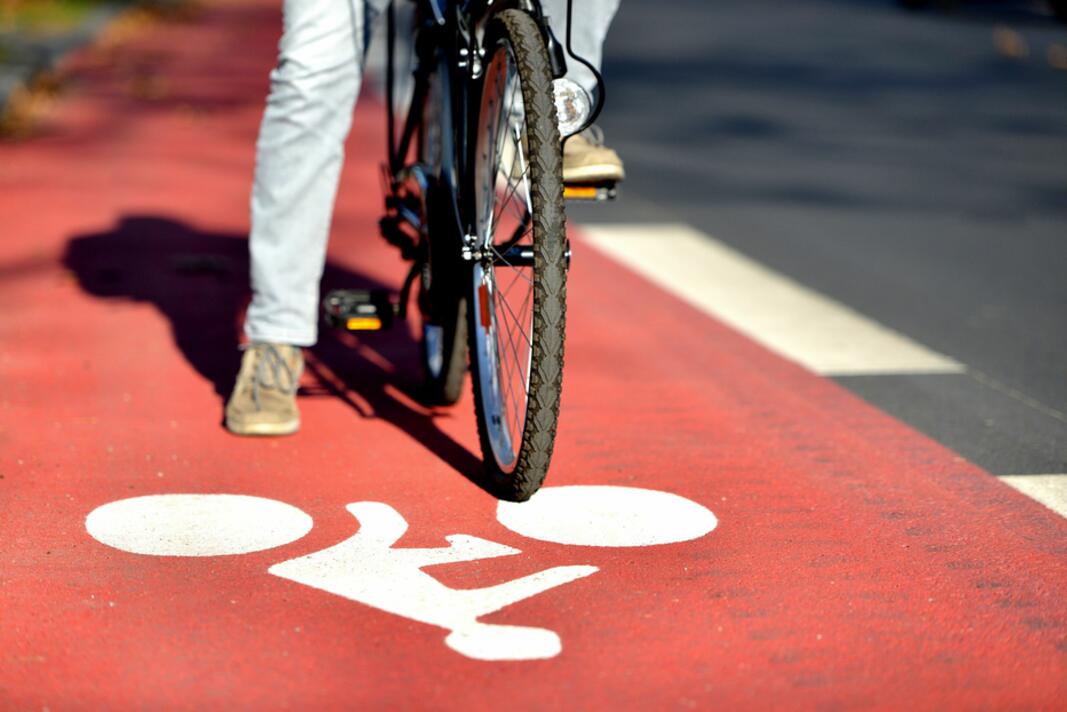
457 29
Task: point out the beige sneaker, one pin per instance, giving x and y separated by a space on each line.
264 398
587 160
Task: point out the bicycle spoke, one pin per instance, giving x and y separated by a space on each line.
499 212
507 382
511 323
523 165
515 280
513 186
526 341
518 322
494 332
515 367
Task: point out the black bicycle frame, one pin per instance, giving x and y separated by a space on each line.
448 38
458 27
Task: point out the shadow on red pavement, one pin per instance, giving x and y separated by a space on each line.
199 282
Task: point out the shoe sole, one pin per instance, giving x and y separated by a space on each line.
265 428
593 174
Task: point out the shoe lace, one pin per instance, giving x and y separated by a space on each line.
272 371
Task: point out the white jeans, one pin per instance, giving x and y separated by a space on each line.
300 149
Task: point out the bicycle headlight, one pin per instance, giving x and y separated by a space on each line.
573 106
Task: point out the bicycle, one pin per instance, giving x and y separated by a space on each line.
475 200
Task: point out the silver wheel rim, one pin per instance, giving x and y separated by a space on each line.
503 292
434 338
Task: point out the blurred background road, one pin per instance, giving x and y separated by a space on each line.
909 164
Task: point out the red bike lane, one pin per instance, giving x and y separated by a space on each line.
853 562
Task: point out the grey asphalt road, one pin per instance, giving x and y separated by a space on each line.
896 161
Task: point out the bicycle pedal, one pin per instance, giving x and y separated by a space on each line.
359 309
592 192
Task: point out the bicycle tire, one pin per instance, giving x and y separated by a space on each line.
442 298
443 345
515 53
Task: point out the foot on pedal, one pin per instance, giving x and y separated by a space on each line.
358 309
591 170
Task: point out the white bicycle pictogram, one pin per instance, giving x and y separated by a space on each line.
367 568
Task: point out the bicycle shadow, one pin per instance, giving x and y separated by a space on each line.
199 281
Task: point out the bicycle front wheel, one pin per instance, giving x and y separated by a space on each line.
518 298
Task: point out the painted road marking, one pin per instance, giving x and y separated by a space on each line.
585 515
788 318
1049 490
367 569
197 524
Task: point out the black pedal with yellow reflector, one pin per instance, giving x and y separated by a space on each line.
359 309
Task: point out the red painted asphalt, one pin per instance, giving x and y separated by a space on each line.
856 563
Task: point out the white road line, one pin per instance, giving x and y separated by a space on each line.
1049 490
798 323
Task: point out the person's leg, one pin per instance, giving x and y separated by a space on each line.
591 21
585 158
298 163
